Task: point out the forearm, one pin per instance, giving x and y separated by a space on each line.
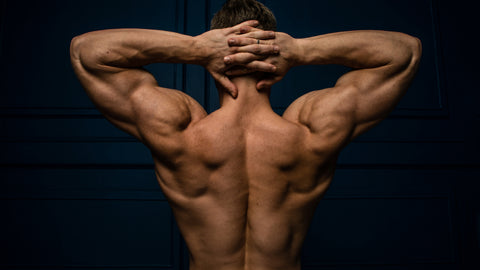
357 49
113 51
130 48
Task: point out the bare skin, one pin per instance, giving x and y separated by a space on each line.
242 181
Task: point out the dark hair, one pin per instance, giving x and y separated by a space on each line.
234 12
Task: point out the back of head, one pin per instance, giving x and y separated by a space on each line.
234 12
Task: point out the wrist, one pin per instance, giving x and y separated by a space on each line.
201 53
305 52
312 51
299 55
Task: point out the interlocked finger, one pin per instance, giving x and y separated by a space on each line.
240 58
259 37
243 41
243 27
259 49
262 35
254 66
261 66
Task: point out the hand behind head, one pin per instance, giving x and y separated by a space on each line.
275 66
239 42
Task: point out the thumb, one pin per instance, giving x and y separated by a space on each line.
266 83
229 86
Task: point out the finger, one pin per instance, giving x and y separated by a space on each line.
261 66
259 49
228 85
262 35
258 37
247 29
239 71
241 59
248 24
254 66
266 83
243 41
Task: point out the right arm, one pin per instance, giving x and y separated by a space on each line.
383 66
109 64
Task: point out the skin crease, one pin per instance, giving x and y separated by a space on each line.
244 182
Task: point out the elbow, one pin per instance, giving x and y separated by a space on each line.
408 52
416 49
75 47
414 46
80 51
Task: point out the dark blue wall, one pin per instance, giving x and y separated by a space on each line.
77 193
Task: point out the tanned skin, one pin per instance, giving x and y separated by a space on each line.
244 182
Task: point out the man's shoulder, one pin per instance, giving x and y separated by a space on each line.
327 114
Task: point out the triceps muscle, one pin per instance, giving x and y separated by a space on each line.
111 89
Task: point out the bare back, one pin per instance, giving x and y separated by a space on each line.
244 182
243 189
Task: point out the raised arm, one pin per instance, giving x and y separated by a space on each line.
109 64
383 66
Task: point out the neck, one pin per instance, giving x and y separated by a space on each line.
249 98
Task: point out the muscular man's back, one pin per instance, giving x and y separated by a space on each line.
244 182
243 187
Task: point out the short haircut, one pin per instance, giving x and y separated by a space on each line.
235 12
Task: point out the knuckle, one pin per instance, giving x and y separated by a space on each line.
269 49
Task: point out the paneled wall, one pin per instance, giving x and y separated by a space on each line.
77 193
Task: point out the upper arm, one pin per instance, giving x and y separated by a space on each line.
131 99
359 100
374 92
